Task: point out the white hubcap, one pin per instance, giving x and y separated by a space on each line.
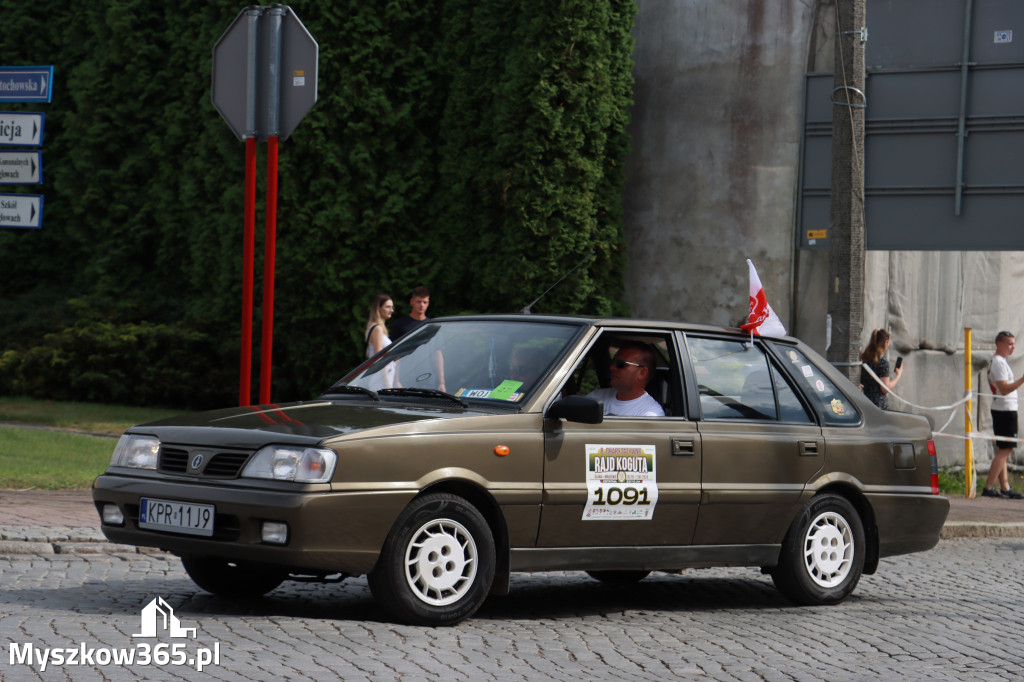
828 549
440 562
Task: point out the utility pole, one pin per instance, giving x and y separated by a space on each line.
846 215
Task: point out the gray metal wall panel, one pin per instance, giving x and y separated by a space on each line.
911 129
916 33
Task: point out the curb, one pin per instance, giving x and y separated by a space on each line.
20 540
977 529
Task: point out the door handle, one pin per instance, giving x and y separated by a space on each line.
808 448
683 447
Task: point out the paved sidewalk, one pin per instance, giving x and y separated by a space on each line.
66 522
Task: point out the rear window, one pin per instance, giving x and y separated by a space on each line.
819 389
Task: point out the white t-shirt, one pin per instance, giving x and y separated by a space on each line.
1000 370
644 406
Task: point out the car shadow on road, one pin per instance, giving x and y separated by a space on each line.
550 596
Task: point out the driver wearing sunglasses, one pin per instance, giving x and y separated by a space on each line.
627 396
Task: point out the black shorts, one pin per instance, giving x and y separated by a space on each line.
1004 423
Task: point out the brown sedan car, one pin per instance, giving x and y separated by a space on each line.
479 446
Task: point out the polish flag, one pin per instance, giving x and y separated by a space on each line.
761 320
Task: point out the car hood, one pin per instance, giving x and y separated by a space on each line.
304 422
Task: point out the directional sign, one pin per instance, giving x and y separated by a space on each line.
21 129
21 168
26 83
21 210
265 72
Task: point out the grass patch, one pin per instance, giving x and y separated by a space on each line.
951 481
51 460
88 417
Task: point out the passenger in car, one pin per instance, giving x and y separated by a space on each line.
527 365
627 396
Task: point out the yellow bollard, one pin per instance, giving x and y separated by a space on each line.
969 487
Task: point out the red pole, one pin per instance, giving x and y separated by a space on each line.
268 271
248 246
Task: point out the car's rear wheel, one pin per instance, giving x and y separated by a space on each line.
823 553
437 565
235 579
623 577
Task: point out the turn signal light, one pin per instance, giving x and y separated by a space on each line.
501 450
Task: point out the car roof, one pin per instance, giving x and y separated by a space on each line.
604 322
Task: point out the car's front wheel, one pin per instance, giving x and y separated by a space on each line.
823 553
234 579
437 565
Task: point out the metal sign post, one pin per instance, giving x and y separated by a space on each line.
264 83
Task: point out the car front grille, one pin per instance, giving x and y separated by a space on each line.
175 460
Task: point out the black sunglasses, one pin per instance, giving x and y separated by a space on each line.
621 364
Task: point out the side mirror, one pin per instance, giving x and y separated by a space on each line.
577 408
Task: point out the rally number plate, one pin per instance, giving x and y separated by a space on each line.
177 517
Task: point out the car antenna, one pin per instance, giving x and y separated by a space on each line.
526 309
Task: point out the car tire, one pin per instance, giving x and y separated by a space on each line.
437 564
232 579
623 577
823 553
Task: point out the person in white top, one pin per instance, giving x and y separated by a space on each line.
381 308
1004 417
631 368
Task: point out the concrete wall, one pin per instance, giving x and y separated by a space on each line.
713 172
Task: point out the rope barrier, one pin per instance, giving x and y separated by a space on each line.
939 432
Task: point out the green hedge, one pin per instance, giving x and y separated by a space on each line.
475 146
127 364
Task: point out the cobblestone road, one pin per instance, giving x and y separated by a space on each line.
956 612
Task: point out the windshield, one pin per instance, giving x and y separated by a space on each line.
497 360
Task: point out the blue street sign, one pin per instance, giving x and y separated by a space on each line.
21 129
21 210
26 83
21 167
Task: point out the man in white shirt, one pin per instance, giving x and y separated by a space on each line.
1004 417
631 368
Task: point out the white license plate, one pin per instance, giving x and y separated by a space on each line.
179 517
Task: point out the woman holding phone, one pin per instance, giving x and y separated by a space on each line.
874 357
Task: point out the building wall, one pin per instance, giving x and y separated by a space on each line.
713 172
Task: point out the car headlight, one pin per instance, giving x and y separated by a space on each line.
138 452
290 463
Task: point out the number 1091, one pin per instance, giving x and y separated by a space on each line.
615 496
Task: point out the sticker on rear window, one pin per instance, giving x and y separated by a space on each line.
622 484
837 406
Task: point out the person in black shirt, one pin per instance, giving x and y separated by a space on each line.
419 300
874 357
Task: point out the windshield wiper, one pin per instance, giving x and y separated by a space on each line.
424 393
352 389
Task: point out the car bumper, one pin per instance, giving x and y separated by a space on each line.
908 523
328 532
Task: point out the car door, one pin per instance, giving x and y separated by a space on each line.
760 442
629 480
